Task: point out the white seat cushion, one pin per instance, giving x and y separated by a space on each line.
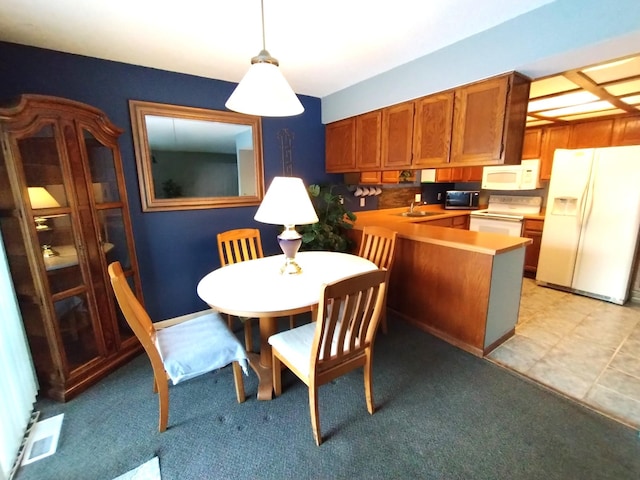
197 346
295 345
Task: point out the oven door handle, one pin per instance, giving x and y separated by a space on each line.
505 218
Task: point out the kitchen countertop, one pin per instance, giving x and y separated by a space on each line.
418 229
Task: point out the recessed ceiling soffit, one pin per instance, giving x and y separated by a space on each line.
602 90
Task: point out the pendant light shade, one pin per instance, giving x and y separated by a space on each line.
263 90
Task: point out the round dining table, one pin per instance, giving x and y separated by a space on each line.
257 289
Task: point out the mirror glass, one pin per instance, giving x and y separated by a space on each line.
193 158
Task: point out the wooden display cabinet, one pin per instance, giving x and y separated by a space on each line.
64 218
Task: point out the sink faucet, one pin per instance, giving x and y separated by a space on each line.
417 200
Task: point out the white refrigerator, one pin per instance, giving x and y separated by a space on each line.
591 223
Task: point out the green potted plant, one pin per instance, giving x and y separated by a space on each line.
329 233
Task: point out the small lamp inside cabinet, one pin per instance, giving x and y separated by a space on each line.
41 198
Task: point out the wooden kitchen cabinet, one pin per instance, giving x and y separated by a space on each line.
340 146
387 176
626 131
433 121
489 121
532 143
64 217
368 129
478 124
371 177
533 230
472 174
449 175
552 138
397 136
459 221
459 174
634 294
594 134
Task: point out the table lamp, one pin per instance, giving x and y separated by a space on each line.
41 198
287 203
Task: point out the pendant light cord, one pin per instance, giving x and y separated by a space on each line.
262 9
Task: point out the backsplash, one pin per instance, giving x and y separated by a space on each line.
397 196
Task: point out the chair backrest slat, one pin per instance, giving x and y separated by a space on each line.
378 246
348 316
239 245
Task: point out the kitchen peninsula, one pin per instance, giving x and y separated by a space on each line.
463 287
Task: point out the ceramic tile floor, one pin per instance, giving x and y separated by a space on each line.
586 349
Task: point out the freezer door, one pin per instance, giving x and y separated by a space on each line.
611 219
563 219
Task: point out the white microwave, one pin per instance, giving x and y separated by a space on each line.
525 176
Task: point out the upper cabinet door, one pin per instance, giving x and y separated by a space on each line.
626 131
593 134
479 117
397 136
552 139
532 144
368 128
432 130
341 146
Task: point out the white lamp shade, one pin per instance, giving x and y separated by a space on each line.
265 92
286 203
41 198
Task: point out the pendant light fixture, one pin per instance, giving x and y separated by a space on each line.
263 90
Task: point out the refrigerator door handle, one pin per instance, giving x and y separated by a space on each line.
585 196
592 181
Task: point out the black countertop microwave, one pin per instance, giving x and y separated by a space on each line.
461 199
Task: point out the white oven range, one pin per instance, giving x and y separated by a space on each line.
504 214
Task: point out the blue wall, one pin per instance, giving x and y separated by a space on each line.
175 249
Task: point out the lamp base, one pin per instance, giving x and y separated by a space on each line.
41 224
290 241
47 251
290 267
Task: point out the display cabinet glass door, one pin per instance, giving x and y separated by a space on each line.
58 236
109 204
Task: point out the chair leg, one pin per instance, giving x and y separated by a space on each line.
368 383
292 322
313 411
248 335
276 374
163 403
238 382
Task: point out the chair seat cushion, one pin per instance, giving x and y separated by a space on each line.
295 345
198 346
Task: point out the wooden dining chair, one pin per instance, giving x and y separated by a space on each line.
236 246
340 340
180 348
378 244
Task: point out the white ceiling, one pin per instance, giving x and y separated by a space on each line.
323 46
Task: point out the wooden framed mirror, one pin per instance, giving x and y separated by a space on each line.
192 158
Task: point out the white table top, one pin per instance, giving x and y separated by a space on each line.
256 288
